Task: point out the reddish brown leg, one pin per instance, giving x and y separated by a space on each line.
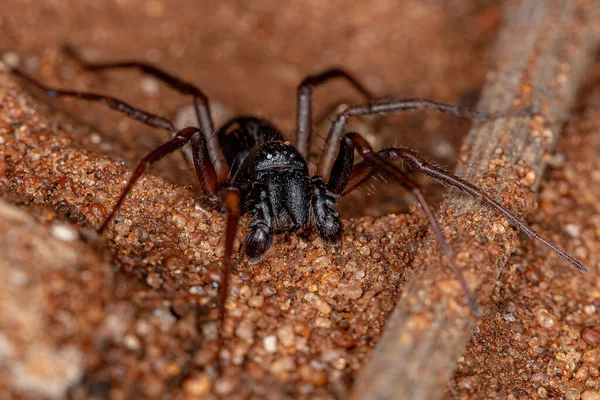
384 107
352 140
147 118
364 170
304 102
200 101
233 211
179 140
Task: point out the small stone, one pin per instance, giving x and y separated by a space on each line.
11 59
591 356
284 364
590 335
321 322
532 274
589 309
154 280
573 230
245 292
582 374
331 279
365 250
302 328
572 394
270 344
122 228
63 232
286 336
256 301
545 319
314 377
351 291
197 386
178 220
318 303
542 392
245 331
226 385
342 338
131 342
590 395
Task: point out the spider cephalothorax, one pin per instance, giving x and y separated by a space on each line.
275 186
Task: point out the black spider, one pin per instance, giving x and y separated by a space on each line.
251 168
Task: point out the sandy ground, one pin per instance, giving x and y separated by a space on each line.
303 322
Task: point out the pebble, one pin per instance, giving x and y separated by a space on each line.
245 331
572 394
198 385
591 356
282 365
286 336
317 378
342 338
302 328
256 301
131 342
321 322
154 280
590 395
545 319
591 336
330 278
63 232
365 250
582 374
270 344
573 230
226 385
351 291
318 303
589 309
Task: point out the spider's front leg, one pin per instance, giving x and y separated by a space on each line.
259 238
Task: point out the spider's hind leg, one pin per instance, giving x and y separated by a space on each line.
341 176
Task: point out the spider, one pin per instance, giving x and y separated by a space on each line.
248 167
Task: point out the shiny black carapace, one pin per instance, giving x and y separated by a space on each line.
249 167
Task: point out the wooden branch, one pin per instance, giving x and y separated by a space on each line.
541 58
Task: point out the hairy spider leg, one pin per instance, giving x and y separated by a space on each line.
341 175
201 103
180 139
362 171
145 117
304 102
384 107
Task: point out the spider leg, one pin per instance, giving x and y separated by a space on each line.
145 117
384 107
207 179
339 179
233 211
362 171
304 102
201 103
